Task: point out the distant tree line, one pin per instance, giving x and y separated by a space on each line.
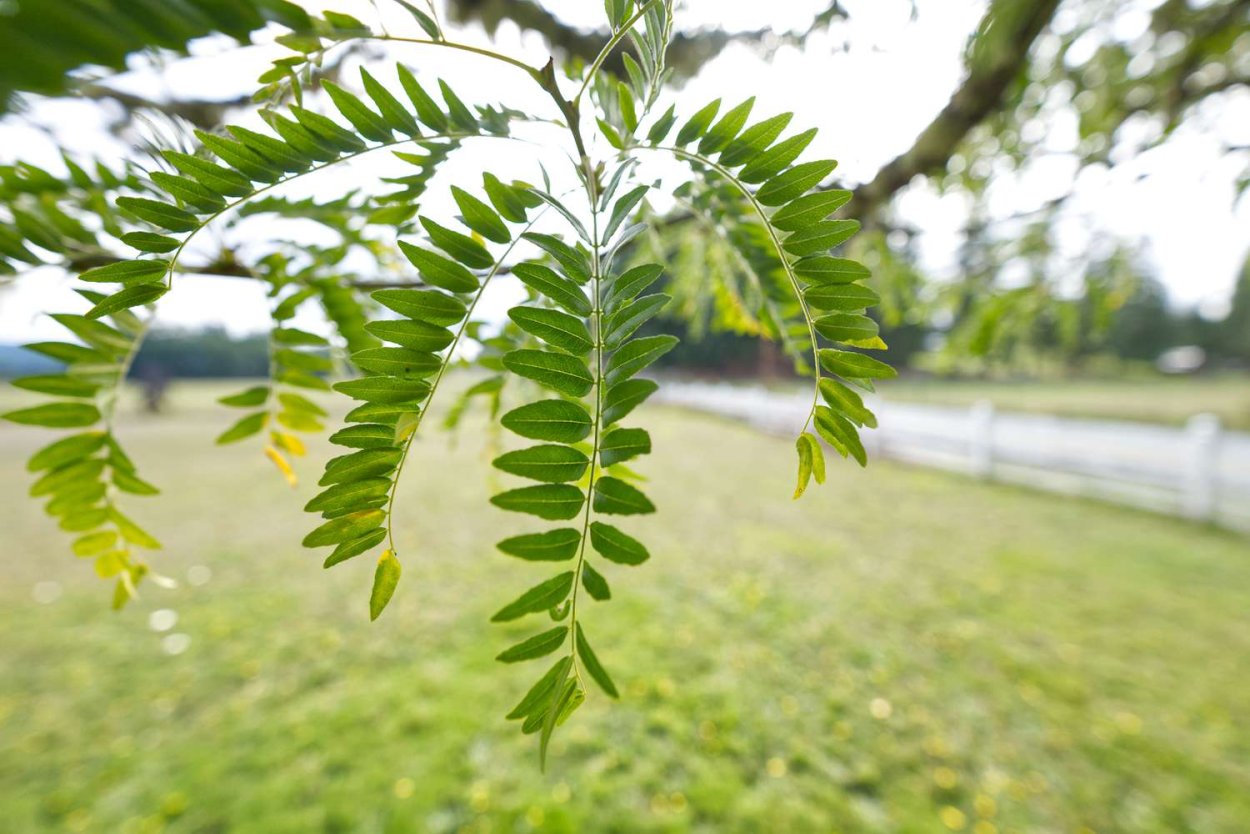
1141 330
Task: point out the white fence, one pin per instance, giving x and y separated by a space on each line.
1200 471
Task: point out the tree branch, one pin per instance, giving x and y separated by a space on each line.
980 96
686 54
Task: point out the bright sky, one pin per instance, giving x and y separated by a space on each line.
869 101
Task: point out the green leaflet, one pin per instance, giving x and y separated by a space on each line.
189 191
135 296
480 217
820 237
826 270
364 436
328 130
698 123
348 495
565 212
550 501
212 176
537 646
595 583
627 319
623 397
539 697
557 371
58 385
369 124
55 415
429 306
807 210
629 284
720 134
846 402
384 389
846 327
803 446
662 126
592 664
367 463
854 365
247 162
303 140
355 547
558 421
414 335
555 287
620 445
274 151
438 270
150 242
248 398
393 113
554 327
550 463
245 427
510 202
636 355
615 546
541 597
844 298
457 110
790 184
621 210
754 140
96 334
463 248
427 109
66 449
616 497
398 362
840 433
774 160
385 578
572 261
344 528
552 546
126 272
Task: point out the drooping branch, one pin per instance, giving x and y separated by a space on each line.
687 53
980 96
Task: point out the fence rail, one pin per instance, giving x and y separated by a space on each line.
1200 471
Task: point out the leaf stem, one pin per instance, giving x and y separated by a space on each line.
173 260
597 323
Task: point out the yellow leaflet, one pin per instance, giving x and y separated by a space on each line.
406 425
289 443
283 467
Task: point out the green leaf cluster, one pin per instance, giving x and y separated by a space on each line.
582 349
82 475
417 345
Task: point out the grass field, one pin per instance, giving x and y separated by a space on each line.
901 651
1171 400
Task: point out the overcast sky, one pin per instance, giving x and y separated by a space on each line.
869 101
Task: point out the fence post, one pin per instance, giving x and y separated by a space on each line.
981 439
1200 499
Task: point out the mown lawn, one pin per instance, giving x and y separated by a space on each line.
1170 400
900 651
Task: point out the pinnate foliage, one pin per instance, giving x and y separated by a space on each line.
563 377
